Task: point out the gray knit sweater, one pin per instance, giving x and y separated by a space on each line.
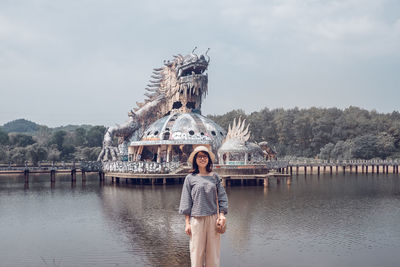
198 196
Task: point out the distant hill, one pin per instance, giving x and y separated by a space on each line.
20 126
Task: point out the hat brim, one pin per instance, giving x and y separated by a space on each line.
201 149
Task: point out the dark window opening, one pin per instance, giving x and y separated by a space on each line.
213 133
166 135
191 132
190 105
201 133
176 105
221 133
156 132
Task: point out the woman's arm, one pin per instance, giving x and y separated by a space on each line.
188 229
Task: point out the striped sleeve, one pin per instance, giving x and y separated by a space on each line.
185 206
222 196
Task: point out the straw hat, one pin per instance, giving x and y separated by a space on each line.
201 149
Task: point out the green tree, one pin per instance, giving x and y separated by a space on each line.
4 154
326 151
53 153
18 155
80 136
94 136
21 140
36 153
4 140
58 139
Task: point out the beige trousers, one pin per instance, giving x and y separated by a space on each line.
204 242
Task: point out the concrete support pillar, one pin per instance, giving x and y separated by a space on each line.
159 154
169 150
266 182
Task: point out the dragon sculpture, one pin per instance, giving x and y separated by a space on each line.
178 86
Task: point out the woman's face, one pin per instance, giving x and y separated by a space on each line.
202 159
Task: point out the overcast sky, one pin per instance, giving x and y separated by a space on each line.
88 61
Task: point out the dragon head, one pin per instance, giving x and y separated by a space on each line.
179 86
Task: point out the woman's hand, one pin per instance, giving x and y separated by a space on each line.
221 219
188 229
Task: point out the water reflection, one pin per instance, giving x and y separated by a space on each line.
147 217
330 220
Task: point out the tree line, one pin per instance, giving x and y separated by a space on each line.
325 133
46 144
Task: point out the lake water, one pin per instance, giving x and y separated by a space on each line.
316 221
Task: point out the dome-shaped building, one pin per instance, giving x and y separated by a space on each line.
174 136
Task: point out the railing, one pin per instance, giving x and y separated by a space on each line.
318 162
140 166
41 166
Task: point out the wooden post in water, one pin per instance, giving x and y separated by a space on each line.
387 169
356 169
344 169
305 169
291 170
366 169
318 169
337 169
73 175
297 169
362 169
373 168
351 168
330 169
324 168
26 175
377 169
83 176
52 176
101 176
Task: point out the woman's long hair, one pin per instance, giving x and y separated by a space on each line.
195 167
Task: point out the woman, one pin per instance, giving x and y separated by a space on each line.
199 205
